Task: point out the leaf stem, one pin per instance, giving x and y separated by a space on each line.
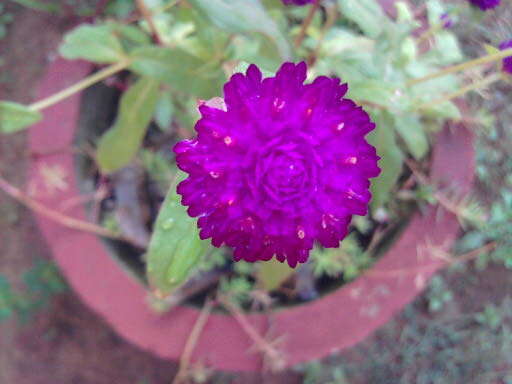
462 67
75 88
470 87
307 22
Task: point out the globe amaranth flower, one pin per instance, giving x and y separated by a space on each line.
485 4
507 62
297 2
282 165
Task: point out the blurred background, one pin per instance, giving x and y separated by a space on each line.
458 331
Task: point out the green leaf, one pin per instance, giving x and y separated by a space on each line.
164 111
410 129
445 110
376 91
14 117
179 69
129 33
367 14
175 247
447 48
241 16
96 43
383 138
435 10
120 143
271 274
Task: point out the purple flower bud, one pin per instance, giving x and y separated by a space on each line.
281 165
485 4
507 61
297 2
446 21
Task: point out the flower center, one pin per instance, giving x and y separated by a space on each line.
284 171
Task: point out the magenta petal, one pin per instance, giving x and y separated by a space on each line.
284 166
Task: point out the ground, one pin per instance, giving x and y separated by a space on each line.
64 342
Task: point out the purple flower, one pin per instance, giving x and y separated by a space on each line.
297 2
485 4
446 21
507 61
281 165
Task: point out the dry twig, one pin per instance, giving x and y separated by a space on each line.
273 358
58 217
191 342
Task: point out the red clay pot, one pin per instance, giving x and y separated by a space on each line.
313 330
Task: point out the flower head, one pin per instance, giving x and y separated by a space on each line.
281 165
297 2
507 61
485 4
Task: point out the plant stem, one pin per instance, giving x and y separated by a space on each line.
462 67
56 216
470 87
75 88
332 15
307 22
148 16
429 33
181 376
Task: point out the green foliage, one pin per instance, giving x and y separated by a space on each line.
243 16
164 111
96 43
367 14
347 261
272 274
438 294
383 138
494 168
41 283
159 168
120 144
15 117
179 69
175 247
237 288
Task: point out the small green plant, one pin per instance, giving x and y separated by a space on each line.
438 294
41 283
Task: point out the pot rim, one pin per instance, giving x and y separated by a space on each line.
341 319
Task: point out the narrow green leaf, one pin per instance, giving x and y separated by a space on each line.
383 138
120 143
179 69
175 247
410 129
367 14
272 274
241 16
14 117
96 43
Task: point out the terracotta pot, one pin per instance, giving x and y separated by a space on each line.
313 330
